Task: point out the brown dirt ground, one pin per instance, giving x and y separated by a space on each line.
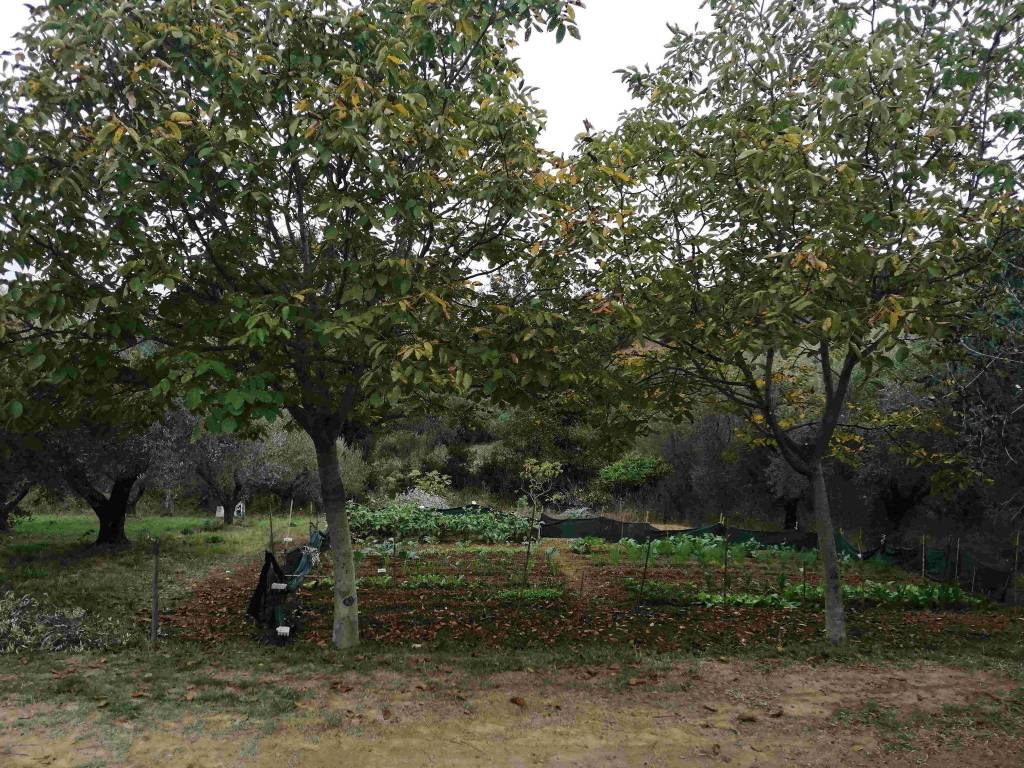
711 713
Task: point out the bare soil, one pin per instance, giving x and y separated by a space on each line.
708 713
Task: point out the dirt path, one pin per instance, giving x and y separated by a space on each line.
708 714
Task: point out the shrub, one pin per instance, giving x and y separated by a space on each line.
633 472
432 482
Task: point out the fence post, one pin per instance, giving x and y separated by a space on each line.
154 618
643 578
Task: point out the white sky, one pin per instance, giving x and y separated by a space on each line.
576 79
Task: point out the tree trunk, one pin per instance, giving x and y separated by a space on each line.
835 618
346 608
228 503
790 505
112 511
7 508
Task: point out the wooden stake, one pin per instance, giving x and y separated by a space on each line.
154 618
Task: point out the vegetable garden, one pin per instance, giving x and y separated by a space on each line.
429 578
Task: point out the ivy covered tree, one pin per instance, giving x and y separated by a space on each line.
289 203
810 184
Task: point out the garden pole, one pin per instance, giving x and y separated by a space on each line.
271 530
956 562
154 618
974 575
643 578
922 555
291 506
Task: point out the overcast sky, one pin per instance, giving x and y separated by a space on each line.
576 78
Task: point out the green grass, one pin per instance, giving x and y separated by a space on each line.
899 731
52 556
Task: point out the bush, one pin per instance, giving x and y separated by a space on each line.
633 472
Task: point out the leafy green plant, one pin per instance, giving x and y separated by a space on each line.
407 521
434 581
530 594
659 592
585 546
380 580
549 560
